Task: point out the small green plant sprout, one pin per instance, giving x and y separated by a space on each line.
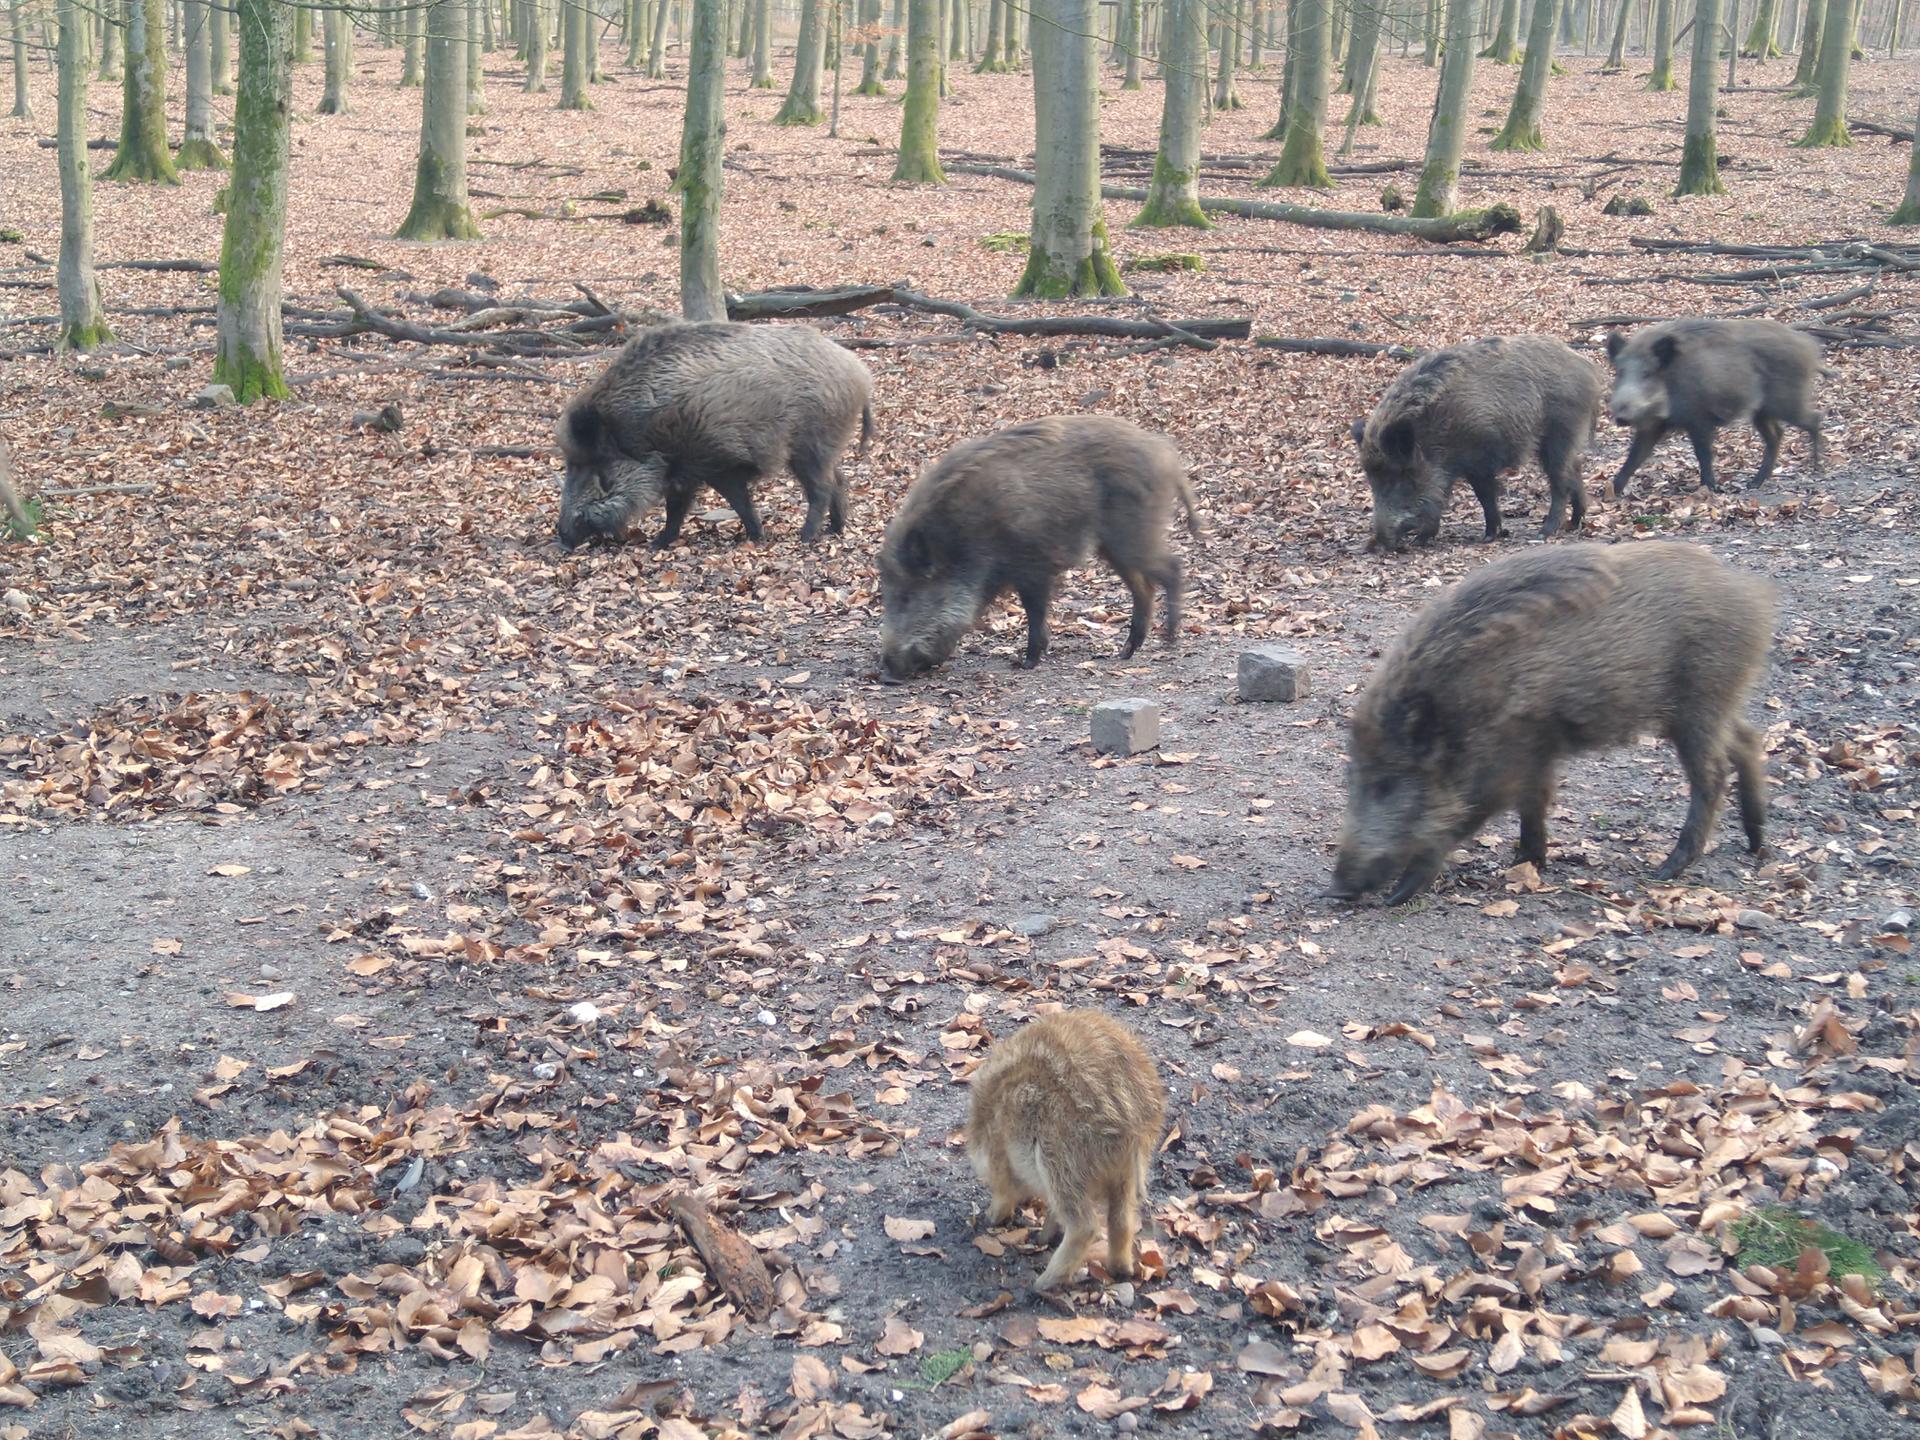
1776 1238
1005 242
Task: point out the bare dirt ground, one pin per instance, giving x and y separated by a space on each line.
394 912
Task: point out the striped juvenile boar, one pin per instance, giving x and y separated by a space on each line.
717 404
1468 413
1698 375
1011 511
1538 657
1069 1111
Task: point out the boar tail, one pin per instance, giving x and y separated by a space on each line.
866 428
1184 493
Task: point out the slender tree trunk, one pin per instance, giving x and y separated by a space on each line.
920 114
440 208
1289 73
476 97
594 26
1662 78
412 44
221 33
1256 61
1068 254
1699 160
1760 43
536 35
762 45
1431 56
657 50
1362 62
1439 192
336 34
1829 126
302 36
802 106
1617 56
994 61
896 42
197 148
1130 34
701 180
573 56
1225 95
111 40
1173 197
1303 158
22 90
143 113
1909 211
1361 111
83 320
247 350
1522 131
743 47
1810 35
956 42
870 50
1504 49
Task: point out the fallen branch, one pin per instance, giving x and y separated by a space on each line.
801 301
1327 346
732 1263
1466 225
194 267
1874 127
513 452
1201 334
125 487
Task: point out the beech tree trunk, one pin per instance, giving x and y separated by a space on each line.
83 320
1760 43
1617 56
920 114
536 40
1909 211
1361 64
110 39
337 36
1225 95
1068 254
1130 33
573 55
802 105
1303 153
1439 192
197 148
703 136
1810 33
896 42
1662 78
1522 130
247 348
476 35
222 31
993 61
1829 126
412 45
1699 160
870 50
1504 48
657 51
440 208
763 44
22 90
1173 195
143 112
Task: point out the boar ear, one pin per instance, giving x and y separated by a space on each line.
1663 350
913 552
1360 430
580 429
1416 721
1397 439
1616 342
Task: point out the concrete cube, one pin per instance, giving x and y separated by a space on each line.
1126 727
1268 672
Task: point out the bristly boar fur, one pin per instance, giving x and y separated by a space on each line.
1698 375
714 404
1069 1110
1537 657
1011 511
1468 413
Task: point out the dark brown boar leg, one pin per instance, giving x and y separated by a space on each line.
1812 427
679 502
837 504
1705 760
1637 453
1034 599
1770 432
1560 456
736 488
1535 799
1169 578
1702 438
1750 773
1142 591
1487 492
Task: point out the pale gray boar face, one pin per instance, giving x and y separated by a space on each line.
929 599
1403 813
1639 396
1408 496
604 494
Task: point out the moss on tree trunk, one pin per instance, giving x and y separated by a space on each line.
573 56
1504 48
920 114
1522 130
1661 80
440 210
1303 158
1699 158
802 105
247 346
1808 66
1068 254
336 28
1439 190
1829 126
197 149
83 322
143 111
1760 43
703 136
1173 196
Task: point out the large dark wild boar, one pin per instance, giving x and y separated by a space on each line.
714 404
1537 657
1011 511
1698 375
1468 413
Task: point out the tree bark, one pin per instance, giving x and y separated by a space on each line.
143 113
1617 56
476 38
1068 254
762 45
1829 126
413 43
1760 43
247 349
1173 195
1439 192
1504 48
1303 154
896 42
920 114
870 50
1225 95
336 35
657 51
440 209
1909 211
110 37
222 41
302 36
83 322
1810 33
573 57
22 90
703 135
1522 130
802 105
197 148
536 40
1130 38
1662 78
1361 58
1699 160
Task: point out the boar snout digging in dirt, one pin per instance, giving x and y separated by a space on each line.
1542 656
1011 511
1069 1110
1698 375
714 404
1468 413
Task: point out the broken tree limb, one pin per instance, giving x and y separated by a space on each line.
1201 334
731 1261
1874 127
1316 345
125 487
799 302
192 267
1467 225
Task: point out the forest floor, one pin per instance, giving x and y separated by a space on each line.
395 911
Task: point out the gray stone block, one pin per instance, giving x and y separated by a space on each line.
1126 727
1268 672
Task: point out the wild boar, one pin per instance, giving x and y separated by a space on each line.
1540 656
1468 413
714 404
1011 511
1069 1111
1698 375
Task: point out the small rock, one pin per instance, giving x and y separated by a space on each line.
16 601
584 1013
176 362
214 397
270 971
1032 926
1126 1422
1900 920
387 419
1753 920
1126 727
1270 673
716 517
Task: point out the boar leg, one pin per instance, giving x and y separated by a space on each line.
679 502
1560 456
820 483
1637 453
1123 1223
1075 1239
1035 598
1168 576
1142 591
1770 432
1812 427
1487 491
1750 772
736 488
1705 759
1416 877
1702 438
1536 796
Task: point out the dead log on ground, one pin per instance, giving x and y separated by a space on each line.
1317 345
799 301
732 1263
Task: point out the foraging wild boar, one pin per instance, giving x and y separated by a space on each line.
1468 413
1697 375
1011 511
1069 1110
1537 657
717 404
